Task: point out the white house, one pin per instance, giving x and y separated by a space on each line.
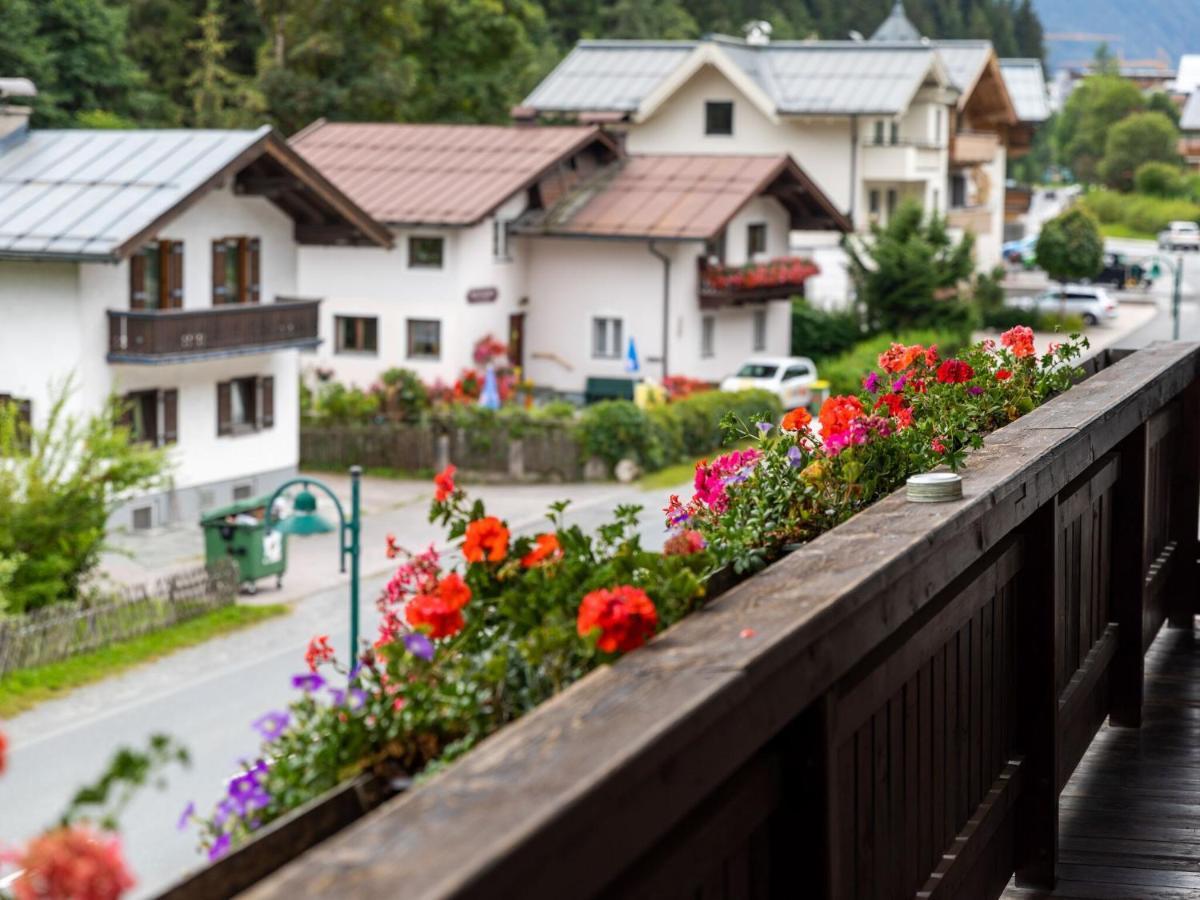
162 266
555 242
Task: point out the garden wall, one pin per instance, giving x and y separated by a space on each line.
889 711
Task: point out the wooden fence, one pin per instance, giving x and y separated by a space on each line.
890 711
63 630
544 453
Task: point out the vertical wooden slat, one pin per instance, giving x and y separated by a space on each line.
953 741
912 783
964 725
975 789
842 868
896 799
882 876
938 786
1129 578
925 843
864 868
175 276
987 765
1184 597
220 290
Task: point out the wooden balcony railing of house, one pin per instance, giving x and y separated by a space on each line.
776 279
975 219
180 335
889 711
968 148
1017 200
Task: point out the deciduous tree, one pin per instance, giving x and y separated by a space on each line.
1135 140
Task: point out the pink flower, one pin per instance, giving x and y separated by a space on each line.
713 478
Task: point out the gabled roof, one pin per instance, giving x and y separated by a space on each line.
86 194
815 78
896 27
1189 118
1027 87
438 174
964 61
682 197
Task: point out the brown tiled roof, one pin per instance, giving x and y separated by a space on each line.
436 174
684 197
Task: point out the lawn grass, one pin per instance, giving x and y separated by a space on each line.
25 688
1121 230
672 476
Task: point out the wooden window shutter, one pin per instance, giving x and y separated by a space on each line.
224 407
267 404
137 280
174 279
25 412
220 291
254 267
125 412
170 416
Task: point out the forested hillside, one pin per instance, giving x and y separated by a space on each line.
225 63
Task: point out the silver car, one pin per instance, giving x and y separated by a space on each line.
1090 302
790 378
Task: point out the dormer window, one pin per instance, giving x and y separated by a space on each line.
718 117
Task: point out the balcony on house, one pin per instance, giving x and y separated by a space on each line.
975 219
901 160
972 148
184 335
776 279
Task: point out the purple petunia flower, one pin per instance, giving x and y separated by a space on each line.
186 816
795 458
974 390
337 696
309 681
247 793
418 645
765 427
219 848
358 699
271 725
899 383
225 809
871 382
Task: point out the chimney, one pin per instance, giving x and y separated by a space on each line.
14 117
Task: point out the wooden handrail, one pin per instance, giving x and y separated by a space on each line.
156 335
865 739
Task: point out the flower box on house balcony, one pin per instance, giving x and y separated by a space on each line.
776 279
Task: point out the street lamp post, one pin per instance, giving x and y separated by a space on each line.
304 520
1176 268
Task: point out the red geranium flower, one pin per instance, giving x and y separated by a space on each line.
937 446
74 862
545 547
954 371
624 616
393 549
1019 339
1003 374
444 481
318 652
440 617
454 591
797 420
894 403
684 543
486 537
837 413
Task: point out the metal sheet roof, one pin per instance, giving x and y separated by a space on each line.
435 174
964 60
84 193
800 77
676 197
1189 118
1027 87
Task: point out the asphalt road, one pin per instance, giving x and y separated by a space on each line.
1161 328
205 697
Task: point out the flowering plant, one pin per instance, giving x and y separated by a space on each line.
461 650
784 271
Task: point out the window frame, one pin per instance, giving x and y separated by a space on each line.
758 330
612 329
414 239
409 335
360 326
501 240
244 254
258 414
754 229
708 336
163 258
710 107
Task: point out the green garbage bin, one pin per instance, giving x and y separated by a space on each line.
239 531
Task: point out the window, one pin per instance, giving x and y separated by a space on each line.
800 371
937 131
156 276
425 252
760 329
356 334
756 239
708 334
714 249
894 133
879 125
143 518
24 413
500 248
236 265
757 370
606 338
245 405
152 416
718 117
892 198
424 339
958 190
873 201
243 491
937 200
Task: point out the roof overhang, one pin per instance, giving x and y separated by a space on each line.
272 169
989 91
706 54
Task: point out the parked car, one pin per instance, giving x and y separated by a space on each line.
790 378
1120 272
1090 302
1181 235
1022 252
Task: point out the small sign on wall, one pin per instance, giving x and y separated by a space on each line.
482 295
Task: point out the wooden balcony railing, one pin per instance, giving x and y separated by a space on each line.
975 219
973 147
890 711
179 335
776 279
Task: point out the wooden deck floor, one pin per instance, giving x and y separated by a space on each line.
1129 818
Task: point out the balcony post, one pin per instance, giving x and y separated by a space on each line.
1185 513
1128 586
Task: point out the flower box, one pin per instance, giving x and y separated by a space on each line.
776 279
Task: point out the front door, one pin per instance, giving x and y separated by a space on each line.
516 340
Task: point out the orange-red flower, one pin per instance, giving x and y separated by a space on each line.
894 403
393 549
318 652
3 752
684 543
954 371
74 862
486 537
545 546
931 356
897 358
454 591
433 613
837 414
624 616
1019 339
444 482
1003 374
797 420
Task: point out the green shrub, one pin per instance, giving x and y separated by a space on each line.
845 373
1007 317
337 404
404 396
1107 206
617 429
821 334
1159 179
1142 213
